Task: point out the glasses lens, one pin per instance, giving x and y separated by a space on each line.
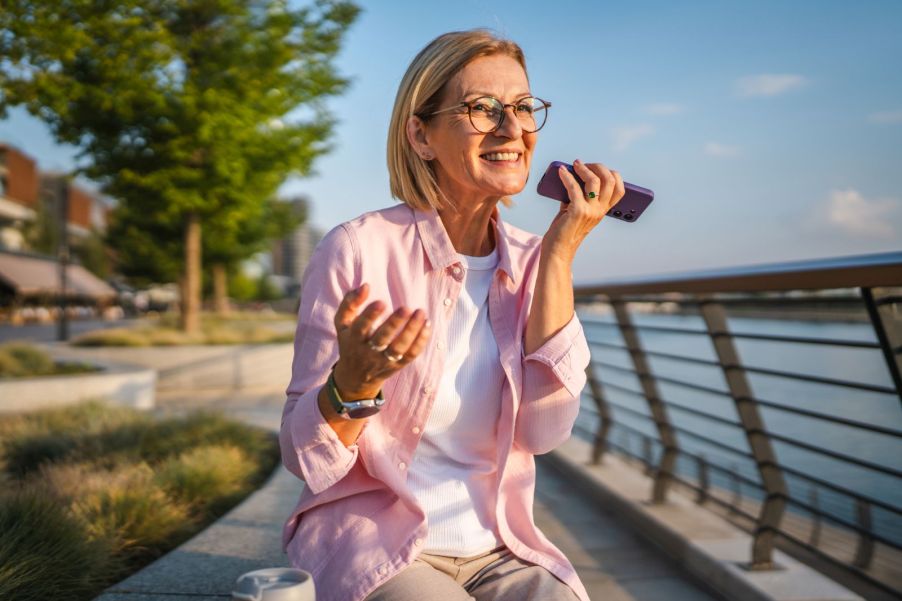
532 113
486 114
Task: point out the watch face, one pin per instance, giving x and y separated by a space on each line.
363 412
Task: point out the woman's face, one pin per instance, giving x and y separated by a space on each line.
474 165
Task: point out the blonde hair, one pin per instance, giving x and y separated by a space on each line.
412 179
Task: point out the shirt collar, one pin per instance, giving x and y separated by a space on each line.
440 251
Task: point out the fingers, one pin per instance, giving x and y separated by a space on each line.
619 188
419 343
606 182
403 342
574 190
385 333
349 306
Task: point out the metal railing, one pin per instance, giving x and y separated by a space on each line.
806 458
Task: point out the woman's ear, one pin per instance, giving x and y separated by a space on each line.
416 135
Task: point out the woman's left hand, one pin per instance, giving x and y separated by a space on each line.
578 217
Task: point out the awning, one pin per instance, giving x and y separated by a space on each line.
28 276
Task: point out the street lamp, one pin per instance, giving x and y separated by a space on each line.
62 255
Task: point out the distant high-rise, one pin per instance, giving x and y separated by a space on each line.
291 255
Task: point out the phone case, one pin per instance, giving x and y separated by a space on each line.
629 208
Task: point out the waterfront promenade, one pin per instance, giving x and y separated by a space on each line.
614 562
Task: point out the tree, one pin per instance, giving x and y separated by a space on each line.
186 111
263 222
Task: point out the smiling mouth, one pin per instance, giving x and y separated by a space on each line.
503 157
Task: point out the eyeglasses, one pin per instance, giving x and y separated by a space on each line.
487 113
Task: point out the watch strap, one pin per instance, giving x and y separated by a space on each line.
338 403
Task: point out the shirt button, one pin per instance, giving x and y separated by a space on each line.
383 569
427 389
418 542
415 429
402 466
439 345
456 270
447 302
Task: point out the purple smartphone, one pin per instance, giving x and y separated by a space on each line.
629 208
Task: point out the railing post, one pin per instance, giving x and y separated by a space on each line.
865 551
766 460
703 482
664 470
815 538
888 328
604 415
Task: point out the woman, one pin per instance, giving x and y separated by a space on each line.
415 433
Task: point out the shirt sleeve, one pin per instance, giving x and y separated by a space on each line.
310 447
553 379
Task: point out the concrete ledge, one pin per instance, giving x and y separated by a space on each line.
120 384
247 538
209 367
706 545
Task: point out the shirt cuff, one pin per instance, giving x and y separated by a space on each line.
567 354
324 459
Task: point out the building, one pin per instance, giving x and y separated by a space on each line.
27 196
31 204
19 196
291 254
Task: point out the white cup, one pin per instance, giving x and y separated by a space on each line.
275 584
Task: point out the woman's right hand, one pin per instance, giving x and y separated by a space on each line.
368 356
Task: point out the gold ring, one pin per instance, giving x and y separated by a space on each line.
391 357
377 347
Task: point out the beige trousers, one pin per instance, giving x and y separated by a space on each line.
496 575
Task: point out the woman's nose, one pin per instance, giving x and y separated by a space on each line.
510 126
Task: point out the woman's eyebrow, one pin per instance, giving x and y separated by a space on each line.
521 94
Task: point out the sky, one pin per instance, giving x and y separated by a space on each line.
770 131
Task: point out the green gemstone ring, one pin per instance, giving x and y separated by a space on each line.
591 195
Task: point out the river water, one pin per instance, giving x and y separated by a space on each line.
859 365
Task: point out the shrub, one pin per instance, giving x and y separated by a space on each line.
102 490
28 441
111 337
127 506
45 553
209 478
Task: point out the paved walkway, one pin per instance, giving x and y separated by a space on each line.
613 562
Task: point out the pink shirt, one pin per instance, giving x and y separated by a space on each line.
357 524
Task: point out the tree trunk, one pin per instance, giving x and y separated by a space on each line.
191 296
220 289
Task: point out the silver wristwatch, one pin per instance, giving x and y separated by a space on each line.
352 409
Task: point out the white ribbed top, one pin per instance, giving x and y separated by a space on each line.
453 470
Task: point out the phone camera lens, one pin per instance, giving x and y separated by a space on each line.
618 213
629 217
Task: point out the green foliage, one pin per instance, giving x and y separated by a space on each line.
44 553
184 108
241 287
203 474
92 253
22 360
120 489
242 330
42 234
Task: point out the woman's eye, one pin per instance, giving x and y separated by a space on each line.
525 109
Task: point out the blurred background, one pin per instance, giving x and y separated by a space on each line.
769 131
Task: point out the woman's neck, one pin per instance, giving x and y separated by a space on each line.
470 229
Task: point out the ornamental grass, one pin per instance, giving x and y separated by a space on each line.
91 493
241 328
